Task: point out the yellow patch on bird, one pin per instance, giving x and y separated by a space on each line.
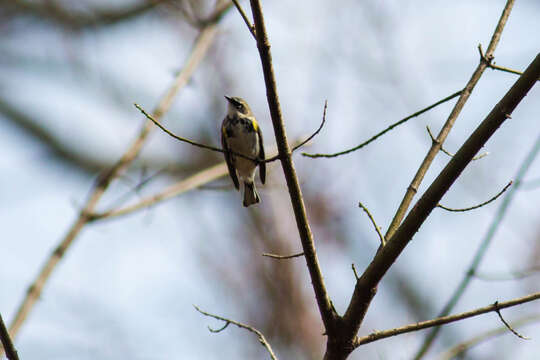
255 125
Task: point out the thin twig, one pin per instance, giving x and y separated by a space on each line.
283 257
377 228
316 132
327 311
7 344
498 310
261 337
466 345
479 205
354 271
246 19
179 138
199 50
376 136
491 64
447 127
484 245
444 320
213 148
478 157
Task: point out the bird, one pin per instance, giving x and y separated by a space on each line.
242 135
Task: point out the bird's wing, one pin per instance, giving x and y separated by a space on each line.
229 159
262 164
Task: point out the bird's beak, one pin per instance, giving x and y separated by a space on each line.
228 98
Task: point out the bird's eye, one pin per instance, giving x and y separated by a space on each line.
239 106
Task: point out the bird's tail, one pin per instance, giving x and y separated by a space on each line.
250 194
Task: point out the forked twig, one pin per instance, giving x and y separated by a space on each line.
245 18
261 337
433 140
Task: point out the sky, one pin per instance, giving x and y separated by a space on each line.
126 287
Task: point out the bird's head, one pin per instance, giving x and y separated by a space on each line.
238 105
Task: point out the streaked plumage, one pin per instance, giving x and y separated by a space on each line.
241 134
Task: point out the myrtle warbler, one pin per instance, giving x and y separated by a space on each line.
241 134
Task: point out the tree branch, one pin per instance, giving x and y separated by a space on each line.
479 205
261 337
377 228
444 320
7 344
498 310
328 314
202 43
464 346
283 257
434 140
491 64
245 18
396 124
484 245
367 284
436 146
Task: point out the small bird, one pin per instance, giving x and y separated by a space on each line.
241 134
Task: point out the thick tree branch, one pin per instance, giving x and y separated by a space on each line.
203 42
445 319
366 286
326 308
436 146
7 344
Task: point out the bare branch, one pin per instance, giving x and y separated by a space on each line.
367 284
327 311
464 346
354 271
444 320
479 205
498 310
447 127
316 131
396 124
491 64
261 337
377 228
282 257
245 18
202 44
433 140
484 245
179 138
7 344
